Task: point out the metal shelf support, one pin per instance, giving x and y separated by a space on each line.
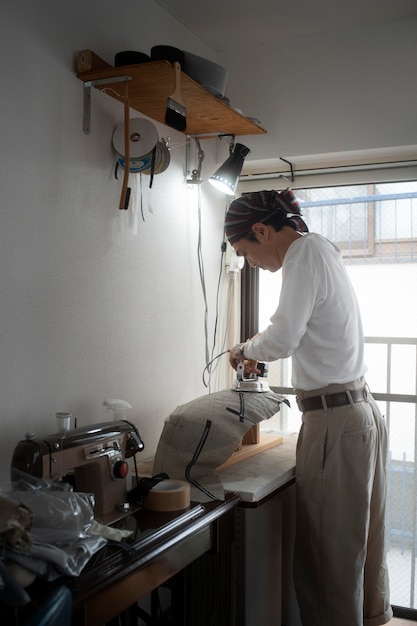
87 97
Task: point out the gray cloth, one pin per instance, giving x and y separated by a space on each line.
15 523
61 537
207 432
50 561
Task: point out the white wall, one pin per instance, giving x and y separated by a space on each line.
88 309
328 93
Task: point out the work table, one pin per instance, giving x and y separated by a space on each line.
260 476
116 577
161 546
257 477
166 544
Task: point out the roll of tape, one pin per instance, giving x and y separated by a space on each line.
162 159
168 495
143 138
137 165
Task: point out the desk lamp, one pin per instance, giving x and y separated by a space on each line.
227 176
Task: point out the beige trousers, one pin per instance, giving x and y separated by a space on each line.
340 571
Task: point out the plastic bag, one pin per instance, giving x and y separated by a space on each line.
60 516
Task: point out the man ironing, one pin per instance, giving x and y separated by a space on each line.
340 571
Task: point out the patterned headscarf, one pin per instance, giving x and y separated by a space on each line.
259 206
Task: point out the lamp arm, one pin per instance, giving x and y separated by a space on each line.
200 155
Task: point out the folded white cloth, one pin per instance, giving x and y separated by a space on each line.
115 534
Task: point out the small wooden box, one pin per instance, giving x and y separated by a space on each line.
88 61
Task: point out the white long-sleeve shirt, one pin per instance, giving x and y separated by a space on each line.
317 321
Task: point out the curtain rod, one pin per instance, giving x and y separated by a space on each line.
330 170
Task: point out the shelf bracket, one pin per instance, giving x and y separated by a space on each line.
87 97
291 179
87 109
194 176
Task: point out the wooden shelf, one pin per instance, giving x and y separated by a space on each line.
153 82
266 441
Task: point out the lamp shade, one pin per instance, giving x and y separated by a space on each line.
227 176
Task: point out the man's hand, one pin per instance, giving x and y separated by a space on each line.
236 356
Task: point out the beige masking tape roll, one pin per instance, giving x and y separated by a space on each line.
168 495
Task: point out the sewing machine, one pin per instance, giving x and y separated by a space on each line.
92 459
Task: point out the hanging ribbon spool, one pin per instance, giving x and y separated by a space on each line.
162 159
144 164
146 153
143 138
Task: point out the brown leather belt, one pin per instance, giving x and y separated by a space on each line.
332 400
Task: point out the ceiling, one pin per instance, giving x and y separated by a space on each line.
227 25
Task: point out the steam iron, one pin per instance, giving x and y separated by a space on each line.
251 382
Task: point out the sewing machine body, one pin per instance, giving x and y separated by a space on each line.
92 459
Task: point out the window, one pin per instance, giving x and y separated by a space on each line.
371 222
375 226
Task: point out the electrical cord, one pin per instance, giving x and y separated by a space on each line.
209 364
223 252
209 367
216 320
202 277
194 459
